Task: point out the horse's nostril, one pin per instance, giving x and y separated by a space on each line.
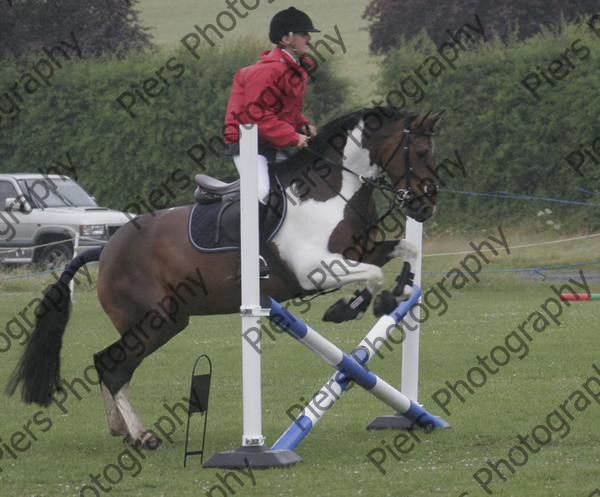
431 189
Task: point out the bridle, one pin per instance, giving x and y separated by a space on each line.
405 195
397 197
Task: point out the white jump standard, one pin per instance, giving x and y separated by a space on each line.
411 343
253 451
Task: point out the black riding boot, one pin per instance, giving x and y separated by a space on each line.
262 241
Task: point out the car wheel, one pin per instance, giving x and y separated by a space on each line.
54 257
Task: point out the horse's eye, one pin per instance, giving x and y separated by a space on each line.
421 155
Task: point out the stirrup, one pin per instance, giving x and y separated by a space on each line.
264 271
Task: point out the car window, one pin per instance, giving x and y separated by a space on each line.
56 193
7 190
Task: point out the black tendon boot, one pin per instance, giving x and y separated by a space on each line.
345 311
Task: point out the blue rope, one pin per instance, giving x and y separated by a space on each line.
534 269
520 197
584 190
35 274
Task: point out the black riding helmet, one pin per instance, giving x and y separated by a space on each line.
291 19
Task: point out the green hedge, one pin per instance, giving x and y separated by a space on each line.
508 139
119 157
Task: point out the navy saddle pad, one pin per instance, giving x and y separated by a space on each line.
207 235
202 229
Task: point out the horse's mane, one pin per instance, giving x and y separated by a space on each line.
331 130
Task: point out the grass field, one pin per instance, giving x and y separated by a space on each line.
66 447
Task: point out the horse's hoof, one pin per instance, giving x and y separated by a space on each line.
407 292
151 441
384 303
343 311
126 438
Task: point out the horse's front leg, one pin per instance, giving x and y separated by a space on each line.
378 255
383 252
333 271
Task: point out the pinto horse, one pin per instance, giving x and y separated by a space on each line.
152 279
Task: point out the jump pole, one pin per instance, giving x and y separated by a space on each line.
350 368
253 452
324 399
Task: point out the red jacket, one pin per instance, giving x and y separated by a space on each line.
269 93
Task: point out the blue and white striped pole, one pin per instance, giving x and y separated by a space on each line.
350 368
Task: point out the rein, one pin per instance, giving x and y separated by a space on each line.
379 183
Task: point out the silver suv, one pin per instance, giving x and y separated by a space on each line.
41 215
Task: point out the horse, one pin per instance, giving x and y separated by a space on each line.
152 279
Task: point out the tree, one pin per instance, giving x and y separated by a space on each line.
106 27
392 20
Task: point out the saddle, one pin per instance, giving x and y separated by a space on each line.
211 190
224 199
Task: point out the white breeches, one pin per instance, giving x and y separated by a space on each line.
264 184
263 176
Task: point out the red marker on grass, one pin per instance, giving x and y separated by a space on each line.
580 296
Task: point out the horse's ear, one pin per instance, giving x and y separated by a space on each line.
431 120
436 117
420 120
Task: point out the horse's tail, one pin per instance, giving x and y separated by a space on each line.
39 367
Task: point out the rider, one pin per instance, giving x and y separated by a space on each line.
271 93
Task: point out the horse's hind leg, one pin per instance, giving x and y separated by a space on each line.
116 423
115 368
116 365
